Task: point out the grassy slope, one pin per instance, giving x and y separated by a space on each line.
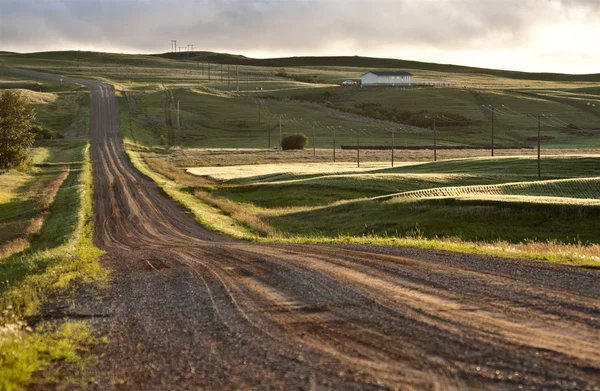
371 62
445 211
62 252
219 120
215 114
48 209
312 205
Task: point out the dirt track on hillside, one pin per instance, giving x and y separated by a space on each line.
191 309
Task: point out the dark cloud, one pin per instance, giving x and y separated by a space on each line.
291 26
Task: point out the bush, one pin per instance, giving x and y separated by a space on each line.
295 141
42 133
242 124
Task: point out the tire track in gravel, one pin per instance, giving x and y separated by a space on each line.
194 310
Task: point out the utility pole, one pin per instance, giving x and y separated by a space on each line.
247 84
357 147
221 73
393 145
434 142
314 137
208 65
280 133
228 75
314 142
334 144
493 112
539 117
237 73
269 129
178 121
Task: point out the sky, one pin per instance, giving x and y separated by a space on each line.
528 35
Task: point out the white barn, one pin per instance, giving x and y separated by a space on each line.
386 78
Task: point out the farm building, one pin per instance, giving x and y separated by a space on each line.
386 78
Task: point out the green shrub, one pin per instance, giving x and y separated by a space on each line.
242 124
294 141
42 133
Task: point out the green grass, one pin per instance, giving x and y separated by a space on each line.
470 200
25 193
14 81
553 167
320 191
60 107
447 210
449 218
63 252
23 354
213 120
68 115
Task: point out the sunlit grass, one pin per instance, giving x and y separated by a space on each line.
62 252
24 353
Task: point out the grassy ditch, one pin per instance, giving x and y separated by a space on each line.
59 255
212 216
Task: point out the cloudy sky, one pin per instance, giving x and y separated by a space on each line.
529 35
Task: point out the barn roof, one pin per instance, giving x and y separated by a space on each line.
390 73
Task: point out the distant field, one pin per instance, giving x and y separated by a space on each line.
62 108
221 98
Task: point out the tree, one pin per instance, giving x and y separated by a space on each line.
15 125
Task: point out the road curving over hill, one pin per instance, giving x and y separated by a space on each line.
190 309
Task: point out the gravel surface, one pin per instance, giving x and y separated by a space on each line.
190 309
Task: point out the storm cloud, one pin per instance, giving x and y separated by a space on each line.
399 28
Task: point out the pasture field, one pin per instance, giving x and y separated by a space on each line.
460 203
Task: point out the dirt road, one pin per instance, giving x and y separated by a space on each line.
190 309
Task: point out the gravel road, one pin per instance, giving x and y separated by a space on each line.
191 309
